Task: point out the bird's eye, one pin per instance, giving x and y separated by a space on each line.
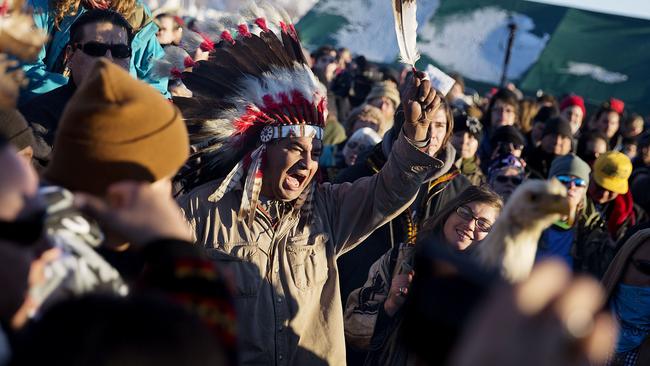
534 197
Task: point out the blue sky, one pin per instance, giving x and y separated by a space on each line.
631 8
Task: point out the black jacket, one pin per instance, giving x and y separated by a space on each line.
43 114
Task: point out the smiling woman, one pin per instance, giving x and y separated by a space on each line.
467 219
372 311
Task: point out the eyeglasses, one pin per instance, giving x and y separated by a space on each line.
567 180
467 214
642 265
98 49
503 179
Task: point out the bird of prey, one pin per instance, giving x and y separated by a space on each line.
512 242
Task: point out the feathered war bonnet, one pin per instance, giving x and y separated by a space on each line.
256 87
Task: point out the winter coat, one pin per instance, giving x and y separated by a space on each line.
286 275
470 168
43 114
45 73
434 195
367 325
621 214
610 282
593 249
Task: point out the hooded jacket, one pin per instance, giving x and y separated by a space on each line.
45 73
286 276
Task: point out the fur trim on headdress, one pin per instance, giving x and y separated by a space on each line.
258 81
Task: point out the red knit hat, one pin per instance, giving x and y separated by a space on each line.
617 105
572 100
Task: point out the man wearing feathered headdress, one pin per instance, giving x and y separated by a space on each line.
256 122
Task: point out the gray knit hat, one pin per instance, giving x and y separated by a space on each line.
570 165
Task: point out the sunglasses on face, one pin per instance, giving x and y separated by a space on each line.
503 179
567 180
98 49
467 214
642 265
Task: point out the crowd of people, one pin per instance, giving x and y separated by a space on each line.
175 191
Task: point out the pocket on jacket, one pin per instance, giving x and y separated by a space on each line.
308 261
243 261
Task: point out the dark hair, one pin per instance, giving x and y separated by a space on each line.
482 194
644 140
586 137
545 113
506 96
606 107
322 51
98 16
547 98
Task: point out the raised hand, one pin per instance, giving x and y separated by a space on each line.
551 319
420 101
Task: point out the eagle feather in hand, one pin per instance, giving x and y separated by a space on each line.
512 242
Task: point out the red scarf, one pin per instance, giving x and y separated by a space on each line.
622 210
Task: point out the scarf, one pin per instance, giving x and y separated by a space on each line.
631 306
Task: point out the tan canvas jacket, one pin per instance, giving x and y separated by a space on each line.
287 290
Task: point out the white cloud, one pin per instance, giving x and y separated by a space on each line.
596 72
474 44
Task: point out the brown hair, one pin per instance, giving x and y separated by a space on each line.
528 109
482 194
63 8
450 124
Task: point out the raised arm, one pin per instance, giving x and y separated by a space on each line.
356 209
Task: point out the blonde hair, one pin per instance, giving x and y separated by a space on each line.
64 8
528 109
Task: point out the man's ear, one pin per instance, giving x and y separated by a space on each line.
69 51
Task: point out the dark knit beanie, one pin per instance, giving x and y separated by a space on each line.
558 126
116 128
507 134
545 113
14 129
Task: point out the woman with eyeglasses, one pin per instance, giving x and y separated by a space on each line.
372 313
583 242
57 16
627 286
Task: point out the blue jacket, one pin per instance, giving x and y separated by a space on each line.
44 74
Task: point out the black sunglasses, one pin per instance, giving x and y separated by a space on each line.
98 49
503 179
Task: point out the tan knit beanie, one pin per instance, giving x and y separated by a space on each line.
369 113
116 128
386 89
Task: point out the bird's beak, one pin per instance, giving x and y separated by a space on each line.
560 205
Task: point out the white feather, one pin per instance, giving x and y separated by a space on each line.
406 29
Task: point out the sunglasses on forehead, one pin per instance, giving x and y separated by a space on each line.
98 49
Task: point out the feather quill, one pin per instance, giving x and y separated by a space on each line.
406 29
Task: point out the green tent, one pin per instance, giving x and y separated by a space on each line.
557 49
